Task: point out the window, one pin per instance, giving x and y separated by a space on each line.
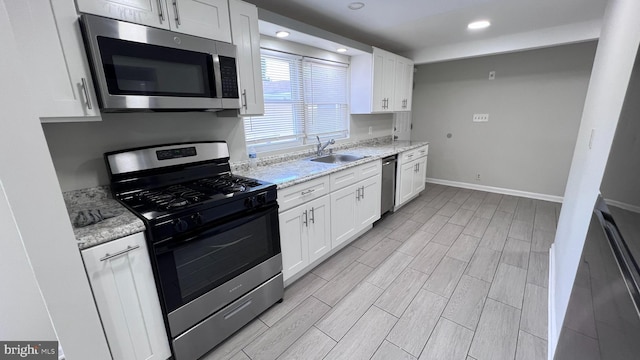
303 98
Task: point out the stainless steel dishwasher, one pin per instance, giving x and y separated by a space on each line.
388 184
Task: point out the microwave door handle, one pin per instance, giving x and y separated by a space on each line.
217 76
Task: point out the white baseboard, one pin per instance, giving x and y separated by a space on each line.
531 195
624 206
552 334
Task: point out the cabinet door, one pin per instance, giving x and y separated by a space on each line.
204 18
145 12
419 177
62 82
293 240
343 214
246 36
125 292
389 74
405 183
408 86
319 228
368 207
400 84
378 103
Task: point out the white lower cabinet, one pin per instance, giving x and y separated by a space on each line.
411 175
354 208
329 212
304 235
343 216
125 293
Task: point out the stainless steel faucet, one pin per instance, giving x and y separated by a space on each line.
322 147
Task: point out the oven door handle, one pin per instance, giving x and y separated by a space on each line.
215 228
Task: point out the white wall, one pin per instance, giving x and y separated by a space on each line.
534 106
612 68
77 148
23 312
40 218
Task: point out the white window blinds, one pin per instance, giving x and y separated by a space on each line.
304 98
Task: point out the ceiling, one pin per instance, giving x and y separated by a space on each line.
436 30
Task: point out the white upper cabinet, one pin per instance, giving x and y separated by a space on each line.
204 18
145 12
403 88
246 36
380 82
48 36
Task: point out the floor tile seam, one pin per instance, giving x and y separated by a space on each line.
352 325
494 273
483 308
293 308
293 343
456 285
432 330
538 337
412 299
395 278
528 257
297 338
504 303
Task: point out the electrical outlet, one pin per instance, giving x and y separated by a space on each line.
370 130
480 117
478 177
492 75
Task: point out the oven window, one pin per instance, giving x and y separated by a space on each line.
211 259
141 69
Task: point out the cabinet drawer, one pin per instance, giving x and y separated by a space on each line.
422 151
369 169
344 178
301 193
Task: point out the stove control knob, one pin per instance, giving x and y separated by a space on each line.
180 225
196 218
250 202
262 198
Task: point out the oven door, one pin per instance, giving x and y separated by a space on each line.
201 272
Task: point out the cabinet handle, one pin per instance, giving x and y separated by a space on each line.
175 7
85 90
160 11
306 219
307 191
363 192
244 98
313 216
108 256
358 194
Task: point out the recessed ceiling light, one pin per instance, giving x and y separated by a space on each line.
341 50
478 25
356 5
282 34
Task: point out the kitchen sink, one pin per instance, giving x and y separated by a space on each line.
338 158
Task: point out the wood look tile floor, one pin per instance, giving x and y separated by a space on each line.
454 274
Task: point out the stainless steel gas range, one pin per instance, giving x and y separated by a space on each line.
213 237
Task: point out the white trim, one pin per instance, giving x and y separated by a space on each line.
551 327
624 206
538 196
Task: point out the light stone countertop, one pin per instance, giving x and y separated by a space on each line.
283 173
126 223
297 171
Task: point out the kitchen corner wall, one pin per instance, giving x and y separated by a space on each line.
534 105
77 148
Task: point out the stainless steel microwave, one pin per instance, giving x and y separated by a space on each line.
138 68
